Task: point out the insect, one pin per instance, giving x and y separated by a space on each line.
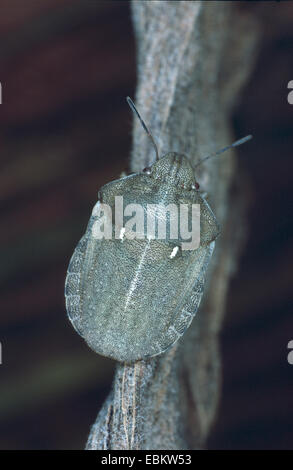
132 298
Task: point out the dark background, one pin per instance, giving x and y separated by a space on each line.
65 129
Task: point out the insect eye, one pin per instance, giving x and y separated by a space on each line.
147 170
195 186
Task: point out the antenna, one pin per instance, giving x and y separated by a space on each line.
235 144
132 106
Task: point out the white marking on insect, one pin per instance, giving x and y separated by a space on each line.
121 234
174 252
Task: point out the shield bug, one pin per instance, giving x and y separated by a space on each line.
130 297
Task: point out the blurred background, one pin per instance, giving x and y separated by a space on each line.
65 129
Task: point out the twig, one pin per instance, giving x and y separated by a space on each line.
193 58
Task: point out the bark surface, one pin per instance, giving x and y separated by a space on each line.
193 59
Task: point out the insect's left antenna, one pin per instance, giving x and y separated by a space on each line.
235 144
132 106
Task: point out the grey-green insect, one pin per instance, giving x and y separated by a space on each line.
131 299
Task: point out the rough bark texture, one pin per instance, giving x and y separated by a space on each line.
193 58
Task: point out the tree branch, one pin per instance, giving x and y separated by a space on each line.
193 58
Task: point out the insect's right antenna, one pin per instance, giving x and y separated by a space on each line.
235 144
132 105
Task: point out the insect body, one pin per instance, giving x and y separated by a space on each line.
131 299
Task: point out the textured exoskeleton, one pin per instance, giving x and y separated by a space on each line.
133 299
